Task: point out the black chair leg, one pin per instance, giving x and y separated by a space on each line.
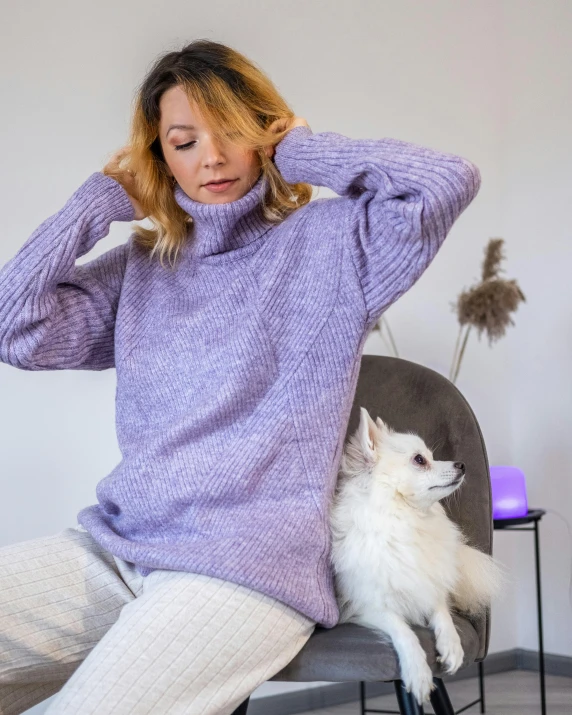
440 699
242 708
408 705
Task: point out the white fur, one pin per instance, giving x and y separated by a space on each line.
398 560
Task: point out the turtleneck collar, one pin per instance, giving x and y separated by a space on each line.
220 228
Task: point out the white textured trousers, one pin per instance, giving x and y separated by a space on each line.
78 621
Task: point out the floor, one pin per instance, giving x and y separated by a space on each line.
513 693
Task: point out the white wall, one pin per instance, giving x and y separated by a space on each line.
489 80
537 161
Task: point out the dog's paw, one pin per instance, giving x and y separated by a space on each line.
451 654
418 680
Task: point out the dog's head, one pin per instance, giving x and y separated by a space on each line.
400 460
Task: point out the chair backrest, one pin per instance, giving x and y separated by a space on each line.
409 396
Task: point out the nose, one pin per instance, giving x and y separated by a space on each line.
460 466
212 153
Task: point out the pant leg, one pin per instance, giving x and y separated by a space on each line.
189 644
58 596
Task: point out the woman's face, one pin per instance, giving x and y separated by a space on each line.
203 160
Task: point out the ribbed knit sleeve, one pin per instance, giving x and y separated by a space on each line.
399 202
56 315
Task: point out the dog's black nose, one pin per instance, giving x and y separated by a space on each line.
460 465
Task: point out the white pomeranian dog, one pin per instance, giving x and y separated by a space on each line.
398 559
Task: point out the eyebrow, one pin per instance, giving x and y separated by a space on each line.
179 126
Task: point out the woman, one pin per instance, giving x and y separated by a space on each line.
204 567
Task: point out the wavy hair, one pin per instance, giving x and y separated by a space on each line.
237 99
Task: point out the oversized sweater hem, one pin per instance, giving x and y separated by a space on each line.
258 572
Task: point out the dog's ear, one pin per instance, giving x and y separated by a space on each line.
383 428
361 451
368 436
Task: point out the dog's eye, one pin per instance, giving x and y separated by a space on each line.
420 459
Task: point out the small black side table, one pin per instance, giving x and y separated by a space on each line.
518 524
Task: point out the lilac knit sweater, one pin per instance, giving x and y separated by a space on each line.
236 372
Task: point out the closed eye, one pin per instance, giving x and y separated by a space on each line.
185 146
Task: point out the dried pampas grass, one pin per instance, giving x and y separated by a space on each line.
487 306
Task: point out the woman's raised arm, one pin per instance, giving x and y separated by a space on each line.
399 201
57 315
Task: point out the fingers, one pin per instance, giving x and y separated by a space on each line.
117 157
279 124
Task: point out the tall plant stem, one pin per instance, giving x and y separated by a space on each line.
391 337
454 361
462 353
383 336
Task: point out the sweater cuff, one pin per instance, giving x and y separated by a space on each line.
289 152
109 195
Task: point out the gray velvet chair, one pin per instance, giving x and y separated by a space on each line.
409 396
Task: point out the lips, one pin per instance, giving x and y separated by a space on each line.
455 481
218 181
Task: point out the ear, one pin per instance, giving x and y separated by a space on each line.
361 451
368 434
383 428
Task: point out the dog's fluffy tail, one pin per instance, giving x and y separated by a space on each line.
480 579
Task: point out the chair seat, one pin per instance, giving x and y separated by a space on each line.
349 652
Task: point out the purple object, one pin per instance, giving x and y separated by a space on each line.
509 493
236 372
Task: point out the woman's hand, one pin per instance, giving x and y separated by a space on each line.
283 123
116 170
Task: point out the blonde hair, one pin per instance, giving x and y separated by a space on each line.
237 100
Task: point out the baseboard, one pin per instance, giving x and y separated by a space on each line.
326 696
553 664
